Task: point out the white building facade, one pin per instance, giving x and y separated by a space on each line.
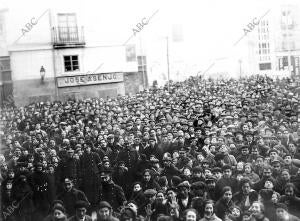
57 55
274 48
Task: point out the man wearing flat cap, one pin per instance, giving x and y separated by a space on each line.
128 214
226 180
70 196
184 197
81 208
105 212
147 208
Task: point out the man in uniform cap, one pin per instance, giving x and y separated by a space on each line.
110 191
210 182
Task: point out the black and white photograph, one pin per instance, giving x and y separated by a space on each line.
169 110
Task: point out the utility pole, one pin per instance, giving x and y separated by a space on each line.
198 78
168 64
287 12
240 61
142 63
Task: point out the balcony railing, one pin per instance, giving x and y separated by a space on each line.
64 37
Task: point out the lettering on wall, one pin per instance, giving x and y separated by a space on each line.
81 80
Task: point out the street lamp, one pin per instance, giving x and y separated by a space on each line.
42 73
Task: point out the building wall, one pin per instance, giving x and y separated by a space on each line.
275 40
99 90
133 82
3 33
27 84
26 65
30 50
34 91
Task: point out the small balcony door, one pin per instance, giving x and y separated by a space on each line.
67 27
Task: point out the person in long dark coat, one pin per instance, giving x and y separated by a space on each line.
23 194
131 158
68 167
225 204
89 175
120 176
148 182
226 180
42 192
8 211
245 197
153 149
291 200
70 196
111 192
169 170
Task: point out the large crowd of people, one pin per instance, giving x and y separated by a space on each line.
205 150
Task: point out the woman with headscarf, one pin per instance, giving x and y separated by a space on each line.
59 213
258 212
190 215
225 204
249 173
290 199
246 196
209 213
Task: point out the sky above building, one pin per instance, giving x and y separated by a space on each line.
210 28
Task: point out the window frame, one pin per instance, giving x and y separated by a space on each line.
71 63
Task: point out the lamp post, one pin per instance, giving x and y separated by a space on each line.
42 73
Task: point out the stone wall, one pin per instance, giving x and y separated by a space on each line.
30 91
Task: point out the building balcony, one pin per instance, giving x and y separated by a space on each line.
287 26
68 37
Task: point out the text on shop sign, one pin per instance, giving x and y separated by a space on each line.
80 80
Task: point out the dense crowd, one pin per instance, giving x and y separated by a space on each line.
205 150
